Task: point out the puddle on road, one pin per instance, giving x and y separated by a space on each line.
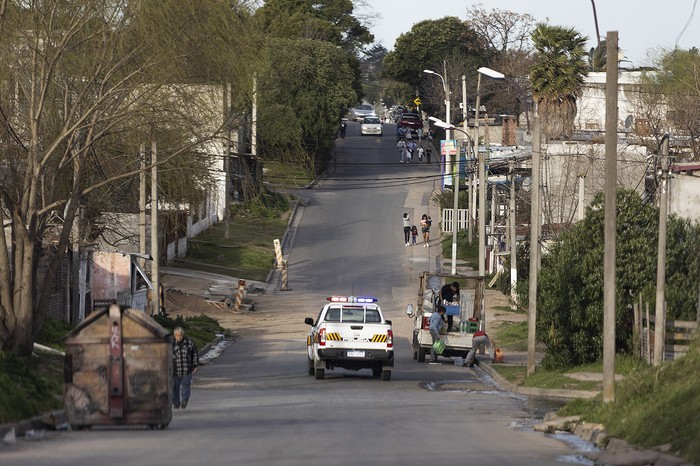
464 386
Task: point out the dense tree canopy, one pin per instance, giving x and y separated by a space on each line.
310 77
570 297
448 46
327 20
303 89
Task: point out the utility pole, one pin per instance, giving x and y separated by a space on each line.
660 315
513 244
142 204
535 219
492 230
469 176
155 293
227 159
610 251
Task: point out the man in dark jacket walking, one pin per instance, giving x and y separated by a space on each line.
185 363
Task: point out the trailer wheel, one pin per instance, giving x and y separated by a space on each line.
319 374
421 354
386 375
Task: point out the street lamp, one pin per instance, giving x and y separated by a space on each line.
446 88
455 188
482 168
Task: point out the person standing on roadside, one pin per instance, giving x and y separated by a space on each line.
420 153
429 153
425 223
185 364
435 325
343 128
406 229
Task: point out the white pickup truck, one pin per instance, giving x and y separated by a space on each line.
467 315
350 333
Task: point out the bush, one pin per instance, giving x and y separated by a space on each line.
53 331
29 385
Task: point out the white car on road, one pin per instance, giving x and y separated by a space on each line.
371 125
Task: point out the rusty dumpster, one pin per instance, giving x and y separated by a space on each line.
118 370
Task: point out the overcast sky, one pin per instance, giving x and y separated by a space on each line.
641 24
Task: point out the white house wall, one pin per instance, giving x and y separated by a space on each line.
684 196
591 104
565 163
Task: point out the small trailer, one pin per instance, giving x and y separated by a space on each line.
466 315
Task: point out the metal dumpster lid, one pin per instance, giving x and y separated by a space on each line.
137 315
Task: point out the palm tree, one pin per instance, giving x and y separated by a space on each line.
598 56
557 77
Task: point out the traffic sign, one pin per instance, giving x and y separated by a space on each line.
417 101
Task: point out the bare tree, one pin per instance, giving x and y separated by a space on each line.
508 36
82 82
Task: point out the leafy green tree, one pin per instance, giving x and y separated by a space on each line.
371 73
557 77
597 56
332 21
303 88
570 297
430 44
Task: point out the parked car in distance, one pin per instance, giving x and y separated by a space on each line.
371 125
411 121
361 111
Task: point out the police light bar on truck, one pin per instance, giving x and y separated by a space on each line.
351 299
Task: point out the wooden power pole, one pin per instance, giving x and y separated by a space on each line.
535 219
660 315
609 269
155 293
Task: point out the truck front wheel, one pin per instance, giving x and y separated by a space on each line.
311 366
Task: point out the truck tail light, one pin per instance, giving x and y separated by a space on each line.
389 339
322 337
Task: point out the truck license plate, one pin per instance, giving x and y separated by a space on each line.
356 354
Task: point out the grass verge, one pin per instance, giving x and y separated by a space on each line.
653 406
248 251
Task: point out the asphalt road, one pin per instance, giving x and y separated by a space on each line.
255 403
